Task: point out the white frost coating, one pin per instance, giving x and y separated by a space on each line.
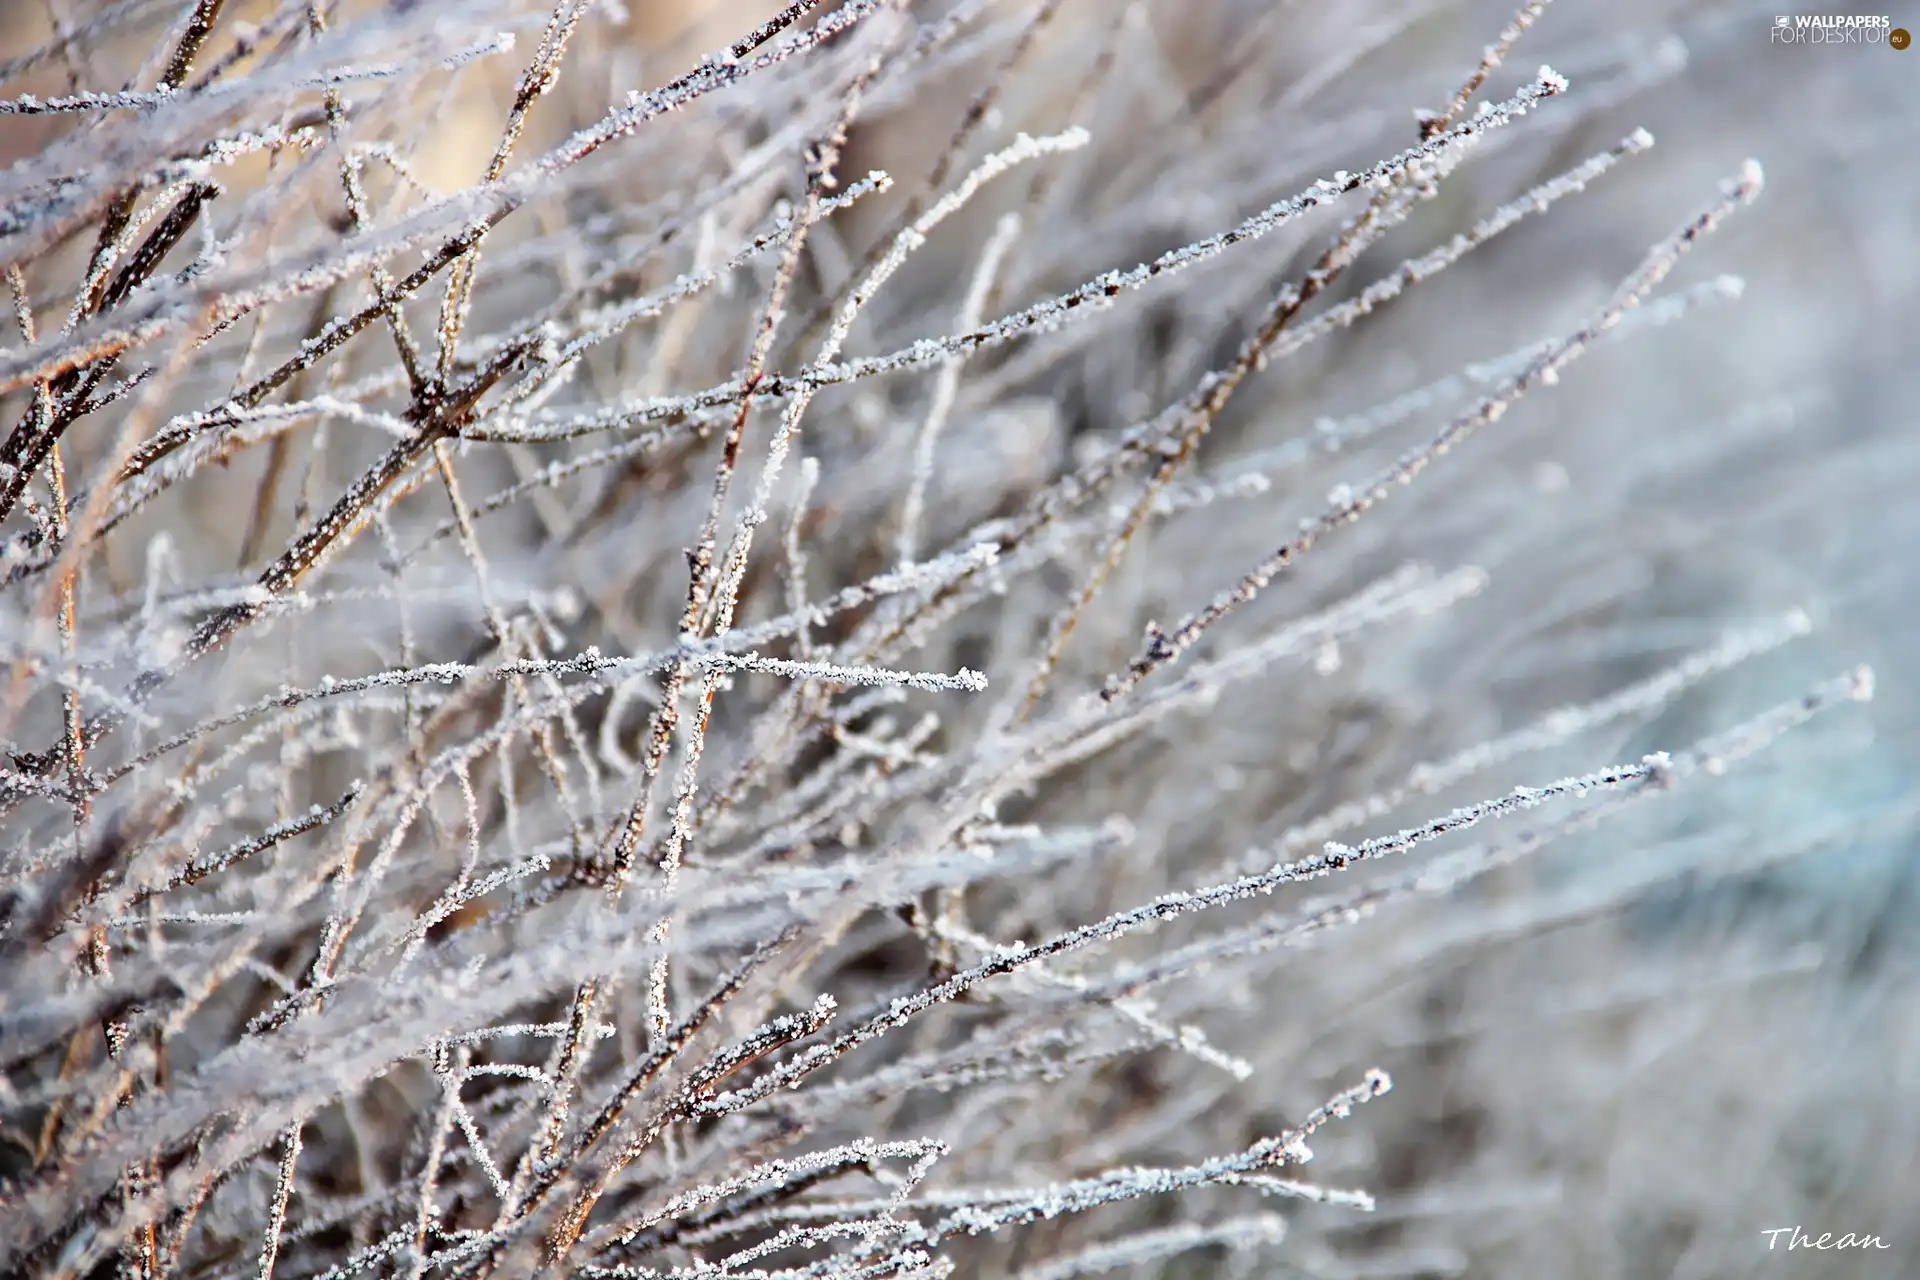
28 104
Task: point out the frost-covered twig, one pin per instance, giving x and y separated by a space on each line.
1347 504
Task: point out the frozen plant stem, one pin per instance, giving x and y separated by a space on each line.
1346 505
